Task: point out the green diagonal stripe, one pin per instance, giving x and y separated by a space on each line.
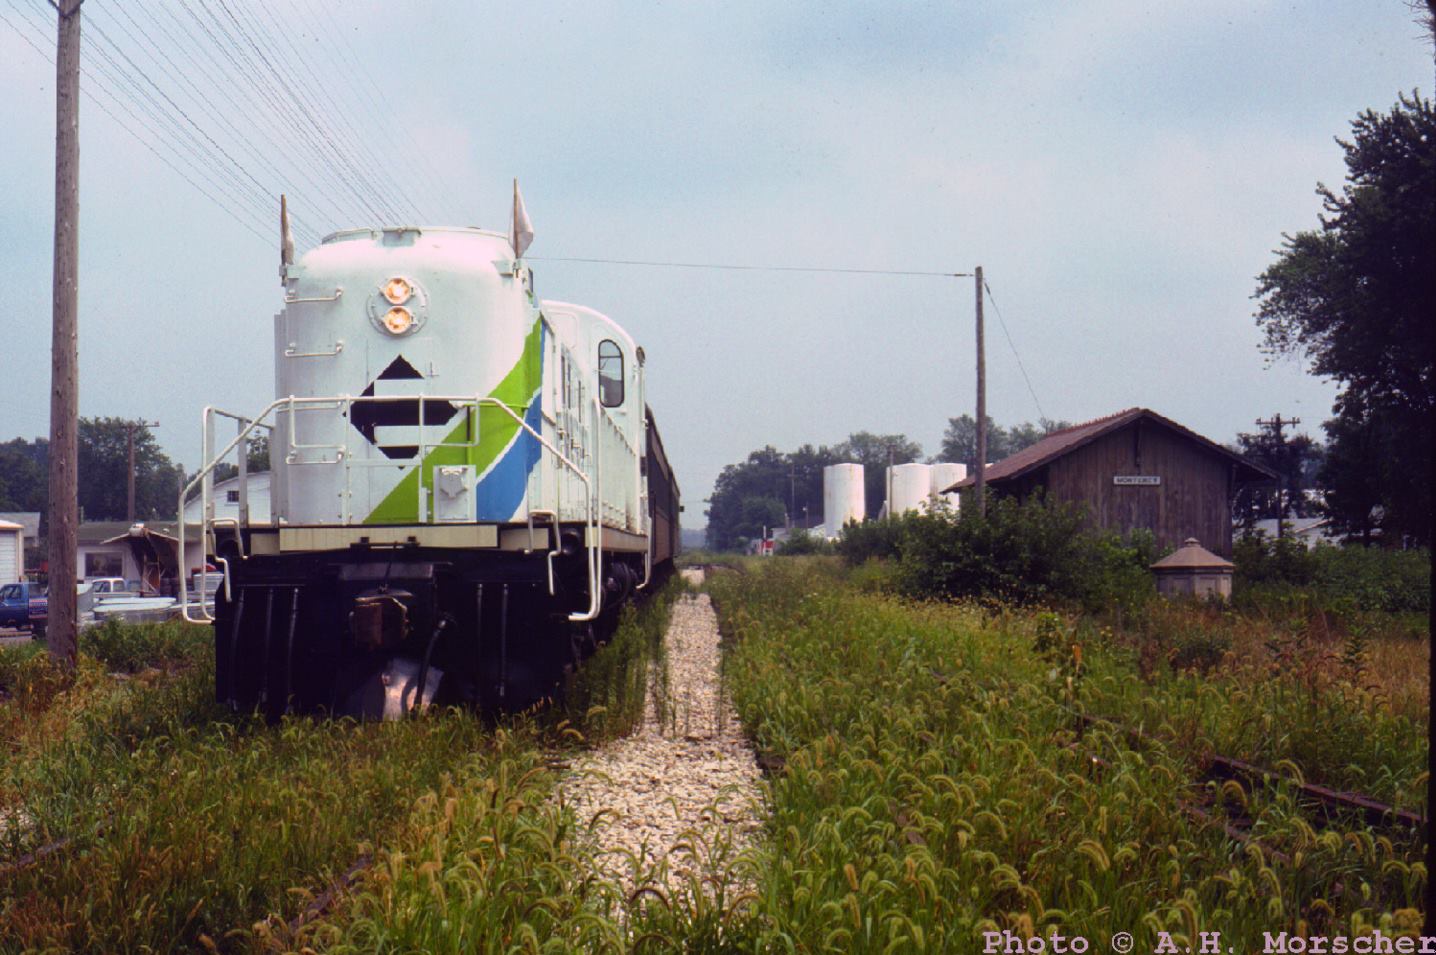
496 430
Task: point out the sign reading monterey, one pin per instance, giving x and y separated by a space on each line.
1136 480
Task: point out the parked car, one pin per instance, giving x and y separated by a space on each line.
38 612
15 604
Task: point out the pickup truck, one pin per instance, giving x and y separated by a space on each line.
16 608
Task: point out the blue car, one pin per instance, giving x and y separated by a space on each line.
15 604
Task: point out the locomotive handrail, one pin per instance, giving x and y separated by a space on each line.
202 480
296 300
592 518
293 352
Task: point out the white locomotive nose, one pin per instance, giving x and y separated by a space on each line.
492 472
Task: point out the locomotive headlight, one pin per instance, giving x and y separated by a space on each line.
398 291
398 306
398 320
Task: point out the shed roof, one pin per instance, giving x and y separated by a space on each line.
1058 443
113 532
1192 556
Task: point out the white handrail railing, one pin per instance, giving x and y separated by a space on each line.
592 502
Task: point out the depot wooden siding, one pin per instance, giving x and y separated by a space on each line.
1193 500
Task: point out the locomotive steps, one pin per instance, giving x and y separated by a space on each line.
673 806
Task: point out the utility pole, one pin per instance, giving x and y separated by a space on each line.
1277 423
792 495
64 349
130 428
981 481
890 480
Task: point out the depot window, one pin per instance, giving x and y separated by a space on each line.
610 374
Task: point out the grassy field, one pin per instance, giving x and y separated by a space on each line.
936 784
191 828
930 780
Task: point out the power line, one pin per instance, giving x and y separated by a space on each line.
283 107
181 75
347 129
1010 344
748 268
226 207
363 81
214 155
312 112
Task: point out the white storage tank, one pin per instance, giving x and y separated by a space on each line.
945 475
908 488
843 497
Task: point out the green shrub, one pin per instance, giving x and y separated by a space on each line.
1280 573
1020 551
868 540
801 542
131 647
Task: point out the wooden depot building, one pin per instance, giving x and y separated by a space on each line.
1135 469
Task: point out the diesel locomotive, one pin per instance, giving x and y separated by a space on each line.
467 484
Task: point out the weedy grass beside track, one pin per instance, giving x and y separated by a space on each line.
935 785
930 782
193 828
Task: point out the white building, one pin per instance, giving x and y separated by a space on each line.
226 500
12 552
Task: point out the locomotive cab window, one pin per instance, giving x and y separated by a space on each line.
610 374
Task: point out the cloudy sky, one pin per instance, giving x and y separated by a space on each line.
1122 170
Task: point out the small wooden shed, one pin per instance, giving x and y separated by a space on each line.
1193 571
1135 469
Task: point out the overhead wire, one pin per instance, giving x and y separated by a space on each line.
48 55
748 268
267 159
362 81
200 143
155 122
313 114
233 50
348 129
1020 367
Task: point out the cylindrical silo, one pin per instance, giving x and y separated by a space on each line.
908 488
842 496
944 476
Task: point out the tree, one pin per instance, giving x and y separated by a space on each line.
875 452
758 514
24 474
256 460
1296 459
959 441
103 472
764 474
1354 299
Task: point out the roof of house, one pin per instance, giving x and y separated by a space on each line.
1294 525
30 520
1058 443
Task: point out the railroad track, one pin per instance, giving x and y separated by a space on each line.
1330 804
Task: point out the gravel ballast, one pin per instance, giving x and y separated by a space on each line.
682 792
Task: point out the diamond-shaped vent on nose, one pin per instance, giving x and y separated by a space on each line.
392 426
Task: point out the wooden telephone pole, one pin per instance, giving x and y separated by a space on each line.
64 350
980 483
130 429
1278 424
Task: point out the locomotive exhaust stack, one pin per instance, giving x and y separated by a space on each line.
467 483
